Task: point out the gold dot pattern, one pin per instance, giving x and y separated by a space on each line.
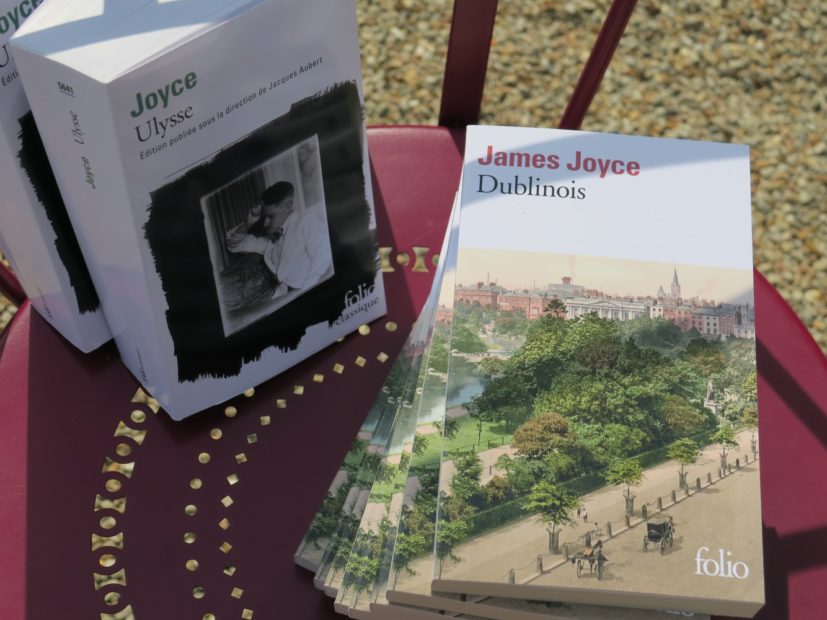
249 392
112 485
403 259
190 510
137 416
108 523
364 330
231 412
391 326
192 565
189 537
107 560
204 458
208 617
198 592
216 434
196 483
123 449
112 598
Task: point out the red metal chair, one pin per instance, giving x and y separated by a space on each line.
60 408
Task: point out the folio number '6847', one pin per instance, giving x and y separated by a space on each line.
65 89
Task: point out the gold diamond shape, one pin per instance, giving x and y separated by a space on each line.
247 614
224 524
232 479
225 547
227 501
240 458
252 438
237 593
229 570
265 420
318 378
360 361
298 390
383 357
338 368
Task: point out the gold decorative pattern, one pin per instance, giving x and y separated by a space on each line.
117 578
232 479
391 326
250 392
237 592
230 412
247 614
198 592
281 403
216 434
189 537
113 485
385 259
240 458
252 438
419 264
196 484
117 504
108 523
192 565
123 449
190 510
265 420
204 458
110 466
435 260
403 259
298 390
99 542
229 570
224 524
338 368
112 598
125 431
318 378
107 560
145 399
225 547
227 501
138 416
360 361
364 330
124 614
382 357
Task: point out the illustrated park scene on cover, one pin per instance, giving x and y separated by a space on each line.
600 428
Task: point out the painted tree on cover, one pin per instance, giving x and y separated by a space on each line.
628 473
542 435
408 546
554 504
749 418
686 452
725 437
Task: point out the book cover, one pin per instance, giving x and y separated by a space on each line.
616 460
221 193
35 232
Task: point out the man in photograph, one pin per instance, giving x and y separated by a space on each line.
293 241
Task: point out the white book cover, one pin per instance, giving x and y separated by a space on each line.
213 160
35 233
603 340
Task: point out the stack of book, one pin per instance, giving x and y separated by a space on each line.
220 192
571 430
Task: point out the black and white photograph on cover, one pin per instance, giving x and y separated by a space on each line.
268 235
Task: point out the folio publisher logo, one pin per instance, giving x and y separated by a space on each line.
721 566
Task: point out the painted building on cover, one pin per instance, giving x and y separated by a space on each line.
616 309
532 305
566 289
483 294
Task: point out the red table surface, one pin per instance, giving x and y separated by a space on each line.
61 412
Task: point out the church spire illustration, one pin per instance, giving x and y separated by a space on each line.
676 287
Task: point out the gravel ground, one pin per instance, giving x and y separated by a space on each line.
725 70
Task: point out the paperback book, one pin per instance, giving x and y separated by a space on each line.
35 233
220 191
616 458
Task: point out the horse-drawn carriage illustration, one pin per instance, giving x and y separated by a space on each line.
593 556
660 533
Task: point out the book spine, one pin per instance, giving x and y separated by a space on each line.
75 121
